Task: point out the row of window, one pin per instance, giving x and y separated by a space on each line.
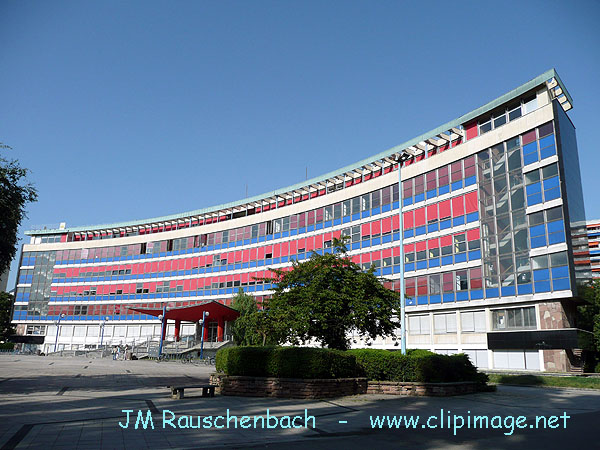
462 285
448 178
542 185
108 234
508 114
446 250
441 216
546 227
100 312
367 205
473 321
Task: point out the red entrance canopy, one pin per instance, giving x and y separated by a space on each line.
193 313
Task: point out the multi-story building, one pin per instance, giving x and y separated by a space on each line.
593 235
491 204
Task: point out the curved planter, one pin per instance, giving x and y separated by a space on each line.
288 387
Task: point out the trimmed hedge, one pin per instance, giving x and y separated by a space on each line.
287 362
7 346
417 366
377 365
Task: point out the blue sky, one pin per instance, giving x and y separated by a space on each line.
129 110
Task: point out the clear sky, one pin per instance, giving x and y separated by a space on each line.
137 109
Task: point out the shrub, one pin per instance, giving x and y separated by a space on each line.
287 362
7 346
416 365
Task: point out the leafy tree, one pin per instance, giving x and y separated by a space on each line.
589 313
254 326
329 296
15 193
6 328
243 333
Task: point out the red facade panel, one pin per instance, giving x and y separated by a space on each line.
419 217
471 130
458 206
471 202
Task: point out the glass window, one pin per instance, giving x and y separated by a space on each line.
456 171
550 171
553 214
366 200
461 280
499 120
407 188
514 160
355 205
532 177
346 208
435 287
431 180
376 199
443 178
485 127
558 259
514 113
536 218
539 262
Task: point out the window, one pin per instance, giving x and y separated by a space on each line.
515 318
419 324
514 113
473 322
485 127
461 280
444 323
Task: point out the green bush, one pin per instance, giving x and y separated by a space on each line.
287 362
7 346
416 365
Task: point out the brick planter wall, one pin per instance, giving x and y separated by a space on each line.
288 387
299 388
421 389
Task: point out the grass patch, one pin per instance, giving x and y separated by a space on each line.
536 380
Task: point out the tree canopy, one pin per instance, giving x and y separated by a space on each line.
589 313
15 193
6 328
254 325
327 297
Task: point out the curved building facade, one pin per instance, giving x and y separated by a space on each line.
492 214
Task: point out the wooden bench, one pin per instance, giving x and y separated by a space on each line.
208 390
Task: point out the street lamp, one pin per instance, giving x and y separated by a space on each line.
62 316
401 157
205 314
102 324
163 319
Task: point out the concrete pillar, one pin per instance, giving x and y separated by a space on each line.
177 329
220 329
164 330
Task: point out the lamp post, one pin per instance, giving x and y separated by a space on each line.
102 324
403 156
163 319
62 316
205 314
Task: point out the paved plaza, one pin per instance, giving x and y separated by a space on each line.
52 402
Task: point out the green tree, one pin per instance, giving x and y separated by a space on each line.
254 326
589 313
243 327
6 328
329 296
15 193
